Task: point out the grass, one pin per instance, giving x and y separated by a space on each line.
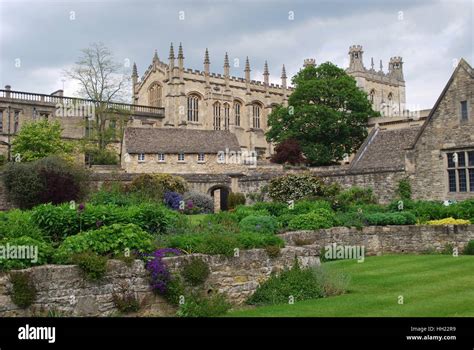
431 286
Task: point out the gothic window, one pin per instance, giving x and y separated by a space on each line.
461 171
390 99
193 108
16 121
464 114
217 116
256 111
372 96
237 107
226 116
154 95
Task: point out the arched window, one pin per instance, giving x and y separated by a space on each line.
226 116
390 99
154 95
256 111
217 116
193 108
372 96
237 107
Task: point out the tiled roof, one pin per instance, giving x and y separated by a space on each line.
174 140
384 149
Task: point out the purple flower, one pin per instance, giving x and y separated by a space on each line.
159 274
99 223
81 207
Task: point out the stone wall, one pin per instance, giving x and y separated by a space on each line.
63 289
379 240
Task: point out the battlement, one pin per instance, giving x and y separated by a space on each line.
309 62
354 48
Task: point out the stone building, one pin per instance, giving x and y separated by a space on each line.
182 151
74 115
196 99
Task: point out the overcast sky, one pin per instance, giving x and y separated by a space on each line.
39 39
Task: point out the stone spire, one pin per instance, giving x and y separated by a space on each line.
134 70
155 56
206 57
180 57
226 71
247 69
266 73
381 67
171 56
283 77
226 61
372 63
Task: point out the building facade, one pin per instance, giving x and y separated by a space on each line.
196 99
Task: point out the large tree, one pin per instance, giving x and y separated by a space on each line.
102 79
327 113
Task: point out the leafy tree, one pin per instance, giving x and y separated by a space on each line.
327 113
288 151
40 139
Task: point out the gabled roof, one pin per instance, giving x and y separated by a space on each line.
174 140
384 149
462 64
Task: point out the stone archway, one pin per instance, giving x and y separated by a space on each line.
220 193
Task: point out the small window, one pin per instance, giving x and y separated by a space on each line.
201 157
461 171
220 157
464 113
1 121
16 121
161 157
181 157
141 157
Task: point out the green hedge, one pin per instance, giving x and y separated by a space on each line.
260 224
317 219
382 219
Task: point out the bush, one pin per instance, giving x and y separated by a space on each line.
195 271
107 240
273 208
382 219
62 221
354 196
126 301
299 284
295 187
320 218
351 219
48 180
273 251
155 186
243 211
203 306
3 159
173 200
91 264
261 224
469 248
307 206
27 258
252 240
17 223
202 203
102 157
288 152
296 283
219 243
235 199
23 291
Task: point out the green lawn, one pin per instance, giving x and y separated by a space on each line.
431 285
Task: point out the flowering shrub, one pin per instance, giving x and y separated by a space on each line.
160 276
295 187
198 203
449 221
262 224
173 200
